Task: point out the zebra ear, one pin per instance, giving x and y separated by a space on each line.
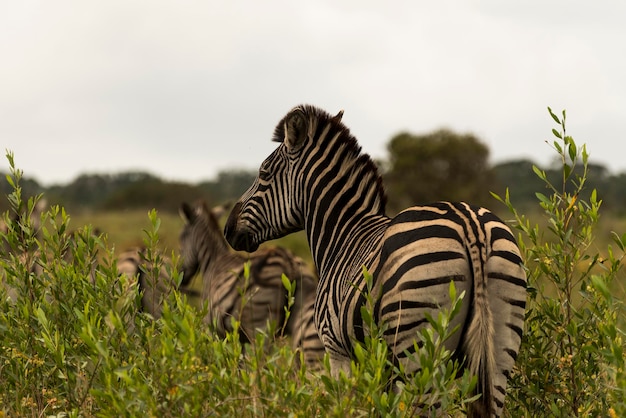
186 212
295 130
338 116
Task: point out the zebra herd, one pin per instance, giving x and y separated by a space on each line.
318 180
203 248
254 301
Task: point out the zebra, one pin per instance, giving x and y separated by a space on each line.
133 263
262 298
319 180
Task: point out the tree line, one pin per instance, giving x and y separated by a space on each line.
442 165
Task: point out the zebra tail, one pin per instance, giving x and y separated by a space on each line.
479 349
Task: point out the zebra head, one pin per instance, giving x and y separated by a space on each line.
274 206
201 239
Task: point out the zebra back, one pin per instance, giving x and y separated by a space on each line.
256 300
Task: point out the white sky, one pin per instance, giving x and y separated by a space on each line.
184 89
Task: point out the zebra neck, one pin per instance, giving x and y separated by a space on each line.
212 250
353 249
347 214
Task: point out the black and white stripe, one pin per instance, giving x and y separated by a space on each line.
318 180
263 297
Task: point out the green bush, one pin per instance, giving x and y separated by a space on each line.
74 343
571 362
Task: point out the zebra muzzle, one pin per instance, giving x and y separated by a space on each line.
237 235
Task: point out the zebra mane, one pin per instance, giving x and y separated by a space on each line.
324 118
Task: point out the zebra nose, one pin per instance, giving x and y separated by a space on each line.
239 239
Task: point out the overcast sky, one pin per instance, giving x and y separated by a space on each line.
184 89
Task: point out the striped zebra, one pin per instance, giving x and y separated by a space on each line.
154 288
262 298
318 180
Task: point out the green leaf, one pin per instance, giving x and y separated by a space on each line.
619 240
286 282
539 172
567 170
246 269
542 198
556 133
600 285
358 353
452 291
555 117
572 149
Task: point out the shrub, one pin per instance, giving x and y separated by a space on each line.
75 343
571 362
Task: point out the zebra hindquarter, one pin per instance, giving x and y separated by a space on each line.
423 290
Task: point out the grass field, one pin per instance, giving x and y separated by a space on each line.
126 228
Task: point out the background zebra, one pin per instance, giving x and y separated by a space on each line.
154 288
263 297
318 180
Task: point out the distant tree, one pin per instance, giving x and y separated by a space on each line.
92 190
229 185
442 165
153 193
614 198
518 176
523 184
87 190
